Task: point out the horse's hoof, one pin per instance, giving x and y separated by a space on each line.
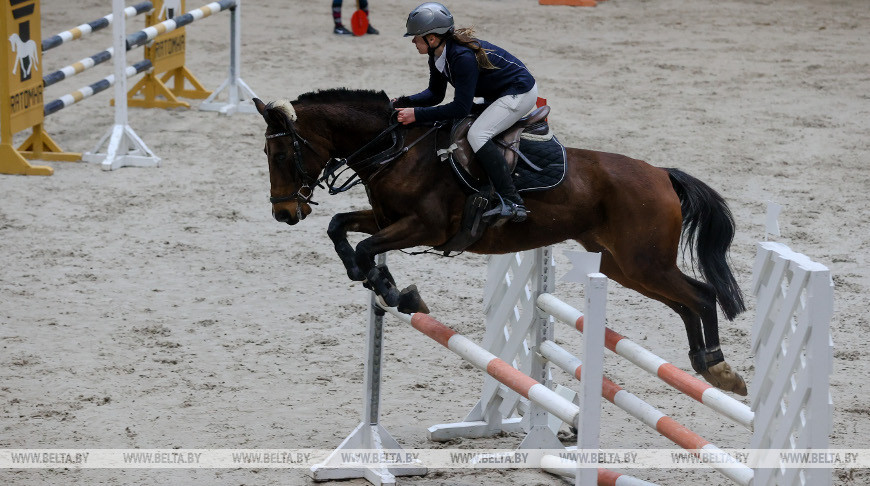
723 377
411 302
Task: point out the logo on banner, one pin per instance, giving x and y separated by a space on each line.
170 9
26 55
24 49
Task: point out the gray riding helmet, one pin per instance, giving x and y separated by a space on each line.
429 18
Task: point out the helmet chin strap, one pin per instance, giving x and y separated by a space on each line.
431 49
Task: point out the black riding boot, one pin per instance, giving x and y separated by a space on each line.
492 160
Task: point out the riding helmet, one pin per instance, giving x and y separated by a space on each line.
429 18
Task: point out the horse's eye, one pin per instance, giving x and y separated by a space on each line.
281 156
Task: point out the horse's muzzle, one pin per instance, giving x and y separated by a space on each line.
291 215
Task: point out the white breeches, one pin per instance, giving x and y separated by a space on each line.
500 115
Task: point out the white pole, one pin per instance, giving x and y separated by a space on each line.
239 95
119 46
125 148
592 375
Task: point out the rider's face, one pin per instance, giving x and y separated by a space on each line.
420 43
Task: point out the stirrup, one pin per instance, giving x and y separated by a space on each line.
508 211
520 212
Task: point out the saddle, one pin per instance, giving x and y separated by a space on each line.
534 123
480 197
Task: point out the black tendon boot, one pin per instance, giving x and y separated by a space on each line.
492 160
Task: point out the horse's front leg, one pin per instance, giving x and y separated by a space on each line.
405 233
341 223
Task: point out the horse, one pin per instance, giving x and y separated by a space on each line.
631 212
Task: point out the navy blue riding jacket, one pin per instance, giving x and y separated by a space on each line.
510 78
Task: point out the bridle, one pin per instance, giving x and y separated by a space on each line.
305 192
376 163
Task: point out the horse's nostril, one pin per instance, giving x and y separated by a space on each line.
282 215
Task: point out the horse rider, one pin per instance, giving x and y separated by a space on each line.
475 68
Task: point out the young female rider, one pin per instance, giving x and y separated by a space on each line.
475 68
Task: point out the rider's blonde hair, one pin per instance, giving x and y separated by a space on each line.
465 36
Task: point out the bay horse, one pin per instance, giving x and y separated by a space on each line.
631 212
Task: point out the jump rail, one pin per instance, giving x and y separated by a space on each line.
564 467
77 67
91 27
167 26
94 88
651 416
492 365
654 365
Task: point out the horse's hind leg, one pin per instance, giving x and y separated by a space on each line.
695 302
710 362
694 331
692 300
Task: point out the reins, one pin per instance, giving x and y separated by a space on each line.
336 167
378 162
330 177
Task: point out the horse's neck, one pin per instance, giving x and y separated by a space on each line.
346 134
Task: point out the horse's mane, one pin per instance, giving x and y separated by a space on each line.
378 100
283 112
344 95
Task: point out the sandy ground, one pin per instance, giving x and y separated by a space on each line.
165 308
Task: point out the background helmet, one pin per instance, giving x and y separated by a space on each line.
429 18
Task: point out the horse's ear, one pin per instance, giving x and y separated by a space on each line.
261 107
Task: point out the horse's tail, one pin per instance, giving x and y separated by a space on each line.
708 222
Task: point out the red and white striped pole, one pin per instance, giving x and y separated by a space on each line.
703 392
651 416
494 366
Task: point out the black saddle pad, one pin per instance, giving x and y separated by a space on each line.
548 157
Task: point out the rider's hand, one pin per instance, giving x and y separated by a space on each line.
406 115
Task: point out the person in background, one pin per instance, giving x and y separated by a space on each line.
475 68
336 17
